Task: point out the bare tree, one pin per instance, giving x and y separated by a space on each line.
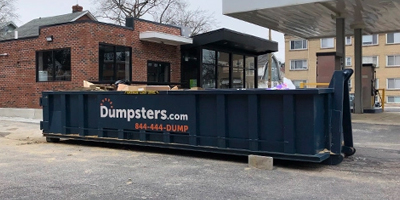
7 11
7 14
174 12
199 21
118 10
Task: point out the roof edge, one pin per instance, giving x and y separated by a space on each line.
83 14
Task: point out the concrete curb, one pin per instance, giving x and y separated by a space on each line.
27 113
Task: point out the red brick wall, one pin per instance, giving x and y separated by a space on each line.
18 86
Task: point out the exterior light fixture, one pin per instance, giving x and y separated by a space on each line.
3 54
49 38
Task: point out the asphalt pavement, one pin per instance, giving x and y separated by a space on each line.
31 168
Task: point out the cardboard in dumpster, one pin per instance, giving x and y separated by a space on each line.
123 87
87 84
175 88
196 88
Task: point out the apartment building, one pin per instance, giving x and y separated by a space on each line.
383 50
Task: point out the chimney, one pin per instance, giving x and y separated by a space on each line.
77 8
129 22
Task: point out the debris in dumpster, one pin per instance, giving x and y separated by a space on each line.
175 88
196 88
123 87
88 86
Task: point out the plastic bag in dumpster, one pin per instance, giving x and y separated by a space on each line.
286 85
123 87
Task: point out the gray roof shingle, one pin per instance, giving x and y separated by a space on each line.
31 28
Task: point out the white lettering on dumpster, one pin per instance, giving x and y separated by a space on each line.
139 113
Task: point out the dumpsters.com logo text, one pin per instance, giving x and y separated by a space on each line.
107 110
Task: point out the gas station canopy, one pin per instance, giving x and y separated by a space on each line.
317 18
323 18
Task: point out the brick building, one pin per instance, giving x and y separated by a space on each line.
57 53
379 49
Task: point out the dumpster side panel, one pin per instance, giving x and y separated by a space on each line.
237 112
320 130
310 123
270 123
305 122
207 121
92 109
72 113
285 124
54 102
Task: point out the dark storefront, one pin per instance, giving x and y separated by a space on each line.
223 59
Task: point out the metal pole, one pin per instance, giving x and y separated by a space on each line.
270 63
358 101
340 44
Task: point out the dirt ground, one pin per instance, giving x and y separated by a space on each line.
31 168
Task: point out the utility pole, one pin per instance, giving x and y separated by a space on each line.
270 63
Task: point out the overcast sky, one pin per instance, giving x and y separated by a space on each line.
31 9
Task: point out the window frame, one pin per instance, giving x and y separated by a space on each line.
351 42
387 61
393 38
327 47
377 60
297 40
52 54
115 62
303 69
387 83
387 99
377 40
351 62
159 62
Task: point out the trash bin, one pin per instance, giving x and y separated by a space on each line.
311 125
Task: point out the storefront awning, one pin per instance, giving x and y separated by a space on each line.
316 18
232 41
164 38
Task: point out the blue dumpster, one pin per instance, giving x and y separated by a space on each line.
311 125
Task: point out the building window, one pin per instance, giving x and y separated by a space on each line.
348 40
377 83
392 38
393 83
370 40
297 83
208 69
393 61
370 59
348 61
238 71
158 72
298 65
223 70
350 83
393 99
114 63
250 72
327 43
298 44
53 65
